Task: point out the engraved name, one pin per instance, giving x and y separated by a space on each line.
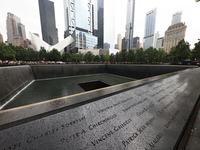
153 143
72 137
145 109
91 127
130 139
72 122
135 104
42 135
168 124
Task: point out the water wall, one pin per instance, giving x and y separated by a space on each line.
12 80
55 71
142 71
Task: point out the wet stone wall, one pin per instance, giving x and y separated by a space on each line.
13 79
149 117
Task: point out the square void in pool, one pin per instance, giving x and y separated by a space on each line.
92 85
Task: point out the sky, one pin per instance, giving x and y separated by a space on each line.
115 17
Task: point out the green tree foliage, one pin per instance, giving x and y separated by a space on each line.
66 57
96 58
88 57
6 52
54 55
123 55
131 56
150 55
43 55
196 51
161 56
77 57
107 57
102 58
117 57
140 57
112 58
180 52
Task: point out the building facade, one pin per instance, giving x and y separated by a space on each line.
1 38
100 16
15 30
159 43
119 42
106 45
48 23
173 35
149 33
136 43
176 18
78 23
130 23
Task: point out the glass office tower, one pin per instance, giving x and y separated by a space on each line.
78 23
130 24
150 23
48 24
176 18
100 24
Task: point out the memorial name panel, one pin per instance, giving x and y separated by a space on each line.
148 117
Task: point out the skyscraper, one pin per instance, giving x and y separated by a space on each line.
48 24
78 23
130 23
15 30
100 17
176 18
119 42
149 32
173 35
1 38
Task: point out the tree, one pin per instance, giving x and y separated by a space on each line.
180 52
6 53
77 57
43 55
140 55
117 57
161 55
96 58
66 57
21 53
123 55
102 58
33 55
131 56
54 55
106 57
112 58
88 57
151 55
196 51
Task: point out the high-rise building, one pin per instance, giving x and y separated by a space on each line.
100 17
106 45
119 42
15 30
130 23
159 43
173 35
1 38
176 18
136 43
48 24
149 33
124 43
78 23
